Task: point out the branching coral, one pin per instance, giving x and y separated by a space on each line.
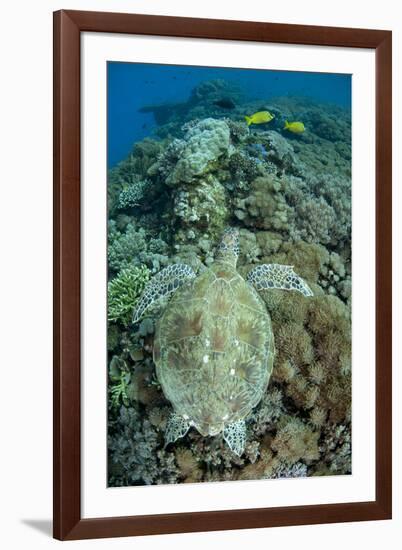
168 158
131 170
244 168
318 220
133 194
133 452
295 440
134 247
335 276
322 208
265 416
123 292
238 130
188 465
249 248
120 377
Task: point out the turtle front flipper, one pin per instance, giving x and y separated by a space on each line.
176 428
235 436
268 276
163 284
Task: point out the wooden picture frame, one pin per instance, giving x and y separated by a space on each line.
68 26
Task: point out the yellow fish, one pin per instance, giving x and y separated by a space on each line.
259 118
295 127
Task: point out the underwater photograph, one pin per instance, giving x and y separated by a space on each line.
229 274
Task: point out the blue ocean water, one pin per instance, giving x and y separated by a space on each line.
131 86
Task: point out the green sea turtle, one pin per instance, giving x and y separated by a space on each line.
214 346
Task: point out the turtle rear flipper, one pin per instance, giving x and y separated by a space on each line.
235 436
268 276
176 428
163 284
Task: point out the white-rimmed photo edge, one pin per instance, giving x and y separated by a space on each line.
97 499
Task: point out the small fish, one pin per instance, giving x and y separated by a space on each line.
225 103
259 118
294 127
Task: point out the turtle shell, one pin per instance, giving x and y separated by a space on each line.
214 349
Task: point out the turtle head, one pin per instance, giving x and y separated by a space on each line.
228 249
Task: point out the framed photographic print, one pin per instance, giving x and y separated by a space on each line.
222 327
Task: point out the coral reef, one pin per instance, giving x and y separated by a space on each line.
200 210
265 206
136 460
189 166
205 142
123 292
290 197
133 194
134 247
203 102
